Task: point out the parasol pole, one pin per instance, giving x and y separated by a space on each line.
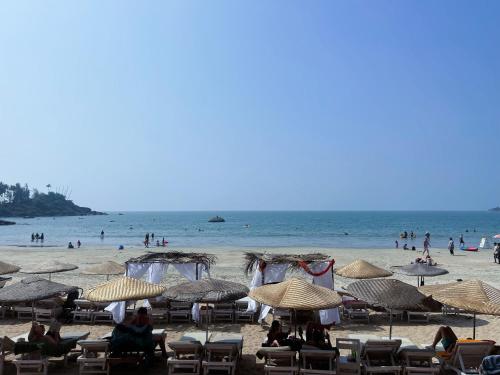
33 311
474 326
390 324
208 319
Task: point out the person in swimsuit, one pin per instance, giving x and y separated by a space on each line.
447 337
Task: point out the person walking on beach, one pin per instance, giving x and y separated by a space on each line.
397 244
451 246
78 244
427 244
496 253
462 242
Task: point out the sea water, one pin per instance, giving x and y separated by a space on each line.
253 229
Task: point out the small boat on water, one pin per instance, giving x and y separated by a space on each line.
216 219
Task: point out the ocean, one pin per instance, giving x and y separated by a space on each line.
258 229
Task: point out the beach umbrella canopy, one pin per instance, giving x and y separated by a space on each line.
296 294
50 267
473 296
206 291
106 268
361 269
31 289
124 289
388 293
7 268
420 270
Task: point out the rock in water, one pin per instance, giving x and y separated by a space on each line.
216 219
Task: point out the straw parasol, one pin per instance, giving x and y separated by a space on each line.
296 294
51 267
32 289
107 268
361 269
7 268
473 296
123 289
420 270
206 291
388 293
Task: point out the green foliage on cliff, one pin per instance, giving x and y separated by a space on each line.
19 201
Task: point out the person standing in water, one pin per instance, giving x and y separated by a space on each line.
102 233
462 242
427 245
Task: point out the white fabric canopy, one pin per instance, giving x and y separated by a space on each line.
329 316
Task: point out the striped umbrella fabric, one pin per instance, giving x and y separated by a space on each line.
361 269
474 296
7 268
206 291
296 294
124 289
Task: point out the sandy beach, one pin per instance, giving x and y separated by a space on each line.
229 266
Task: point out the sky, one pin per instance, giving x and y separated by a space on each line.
253 105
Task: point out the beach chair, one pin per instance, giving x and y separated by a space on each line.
186 359
159 310
223 312
396 314
317 362
241 315
83 311
220 358
180 312
466 357
281 362
379 356
94 357
419 361
31 366
348 363
23 312
47 315
356 311
418 317
102 317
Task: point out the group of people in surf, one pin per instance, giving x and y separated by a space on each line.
37 237
151 239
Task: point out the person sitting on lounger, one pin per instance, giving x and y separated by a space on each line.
276 336
447 337
37 335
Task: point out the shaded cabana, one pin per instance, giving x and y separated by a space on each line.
50 267
271 268
472 296
32 289
154 265
420 270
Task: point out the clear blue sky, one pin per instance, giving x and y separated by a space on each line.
253 105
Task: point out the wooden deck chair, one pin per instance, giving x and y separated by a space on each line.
379 356
83 311
282 362
180 312
241 314
349 363
418 317
466 357
317 362
186 359
357 311
31 366
419 361
223 312
220 358
94 357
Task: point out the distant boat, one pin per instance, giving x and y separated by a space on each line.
496 209
216 219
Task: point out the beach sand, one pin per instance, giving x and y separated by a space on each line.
463 265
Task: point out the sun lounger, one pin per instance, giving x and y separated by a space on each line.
223 312
220 358
240 311
102 317
419 362
379 356
186 359
180 312
348 363
317 362
280 362
466 357
195 336
23 312
418 317
94 357
83 311
227 338
356 311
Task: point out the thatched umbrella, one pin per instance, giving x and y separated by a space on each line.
106 268
7 268
473 296
206 291
420 270
296 294
124 289
361 269
50 267
32 289
388 293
